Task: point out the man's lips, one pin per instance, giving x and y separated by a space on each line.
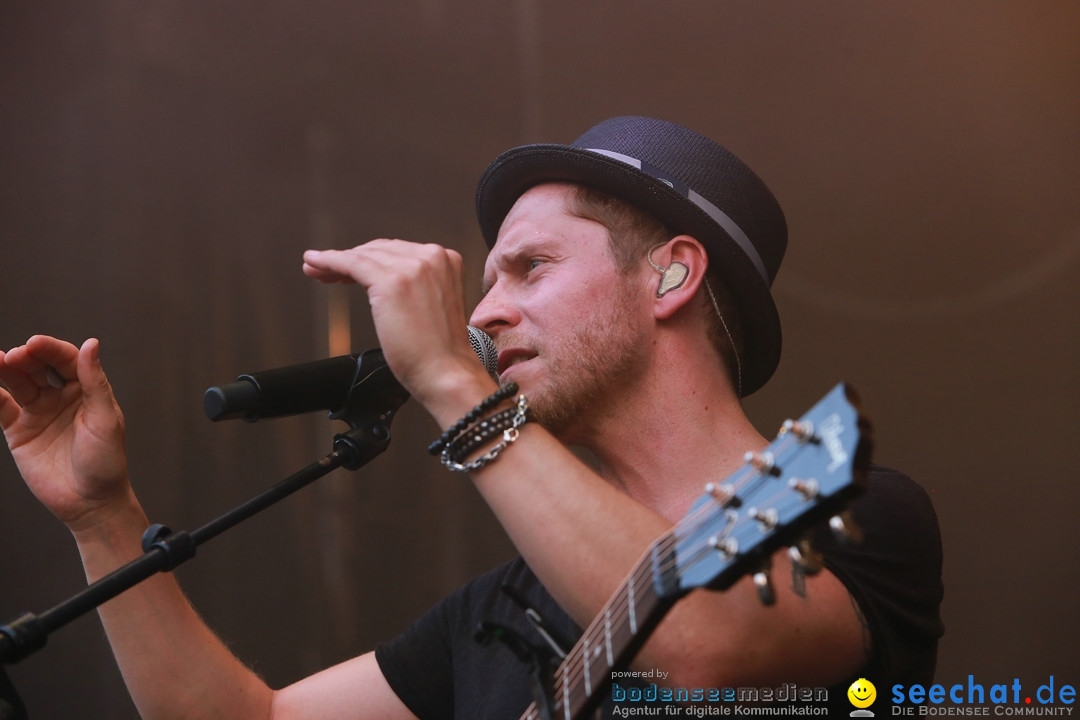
512 356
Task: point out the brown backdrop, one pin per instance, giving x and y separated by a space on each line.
163 164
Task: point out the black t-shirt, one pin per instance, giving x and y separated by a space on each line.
439 670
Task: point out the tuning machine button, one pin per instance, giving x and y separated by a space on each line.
723 493
767 519
805 560
801 429
728 547
763 462
845 528
763 582
808 488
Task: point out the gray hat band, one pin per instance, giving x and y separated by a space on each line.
719 216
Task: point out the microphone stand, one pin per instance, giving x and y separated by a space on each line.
369 408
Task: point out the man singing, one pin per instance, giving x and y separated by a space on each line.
627 292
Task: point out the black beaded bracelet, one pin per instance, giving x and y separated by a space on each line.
509 436
472 416
480 434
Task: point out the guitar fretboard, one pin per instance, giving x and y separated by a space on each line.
810 471
617 631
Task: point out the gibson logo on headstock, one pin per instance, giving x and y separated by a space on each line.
831 429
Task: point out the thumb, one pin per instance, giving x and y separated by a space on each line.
97 393
9 409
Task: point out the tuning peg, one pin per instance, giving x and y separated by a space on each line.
798 581
804 561
767 519
764 462
765 589
728 546
845 528
802 429
723 493
806 558
809 489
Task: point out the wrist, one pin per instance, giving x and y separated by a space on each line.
479 428
455 394
481 414
116 526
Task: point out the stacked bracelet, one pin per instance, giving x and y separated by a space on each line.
480 434
471 432
452 456
470 417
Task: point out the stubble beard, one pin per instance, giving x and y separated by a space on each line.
587 371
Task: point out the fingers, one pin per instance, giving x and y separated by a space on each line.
416 296
58 354
324 275
21 388
42 365
41 354
338 266
43 362
332 266
375 260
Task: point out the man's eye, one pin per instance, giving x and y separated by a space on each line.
535 263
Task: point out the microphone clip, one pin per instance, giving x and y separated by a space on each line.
374 396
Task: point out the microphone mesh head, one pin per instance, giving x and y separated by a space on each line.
484 347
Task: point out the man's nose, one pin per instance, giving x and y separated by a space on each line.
493 312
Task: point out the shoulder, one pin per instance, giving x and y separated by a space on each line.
895 508
897 524
893 572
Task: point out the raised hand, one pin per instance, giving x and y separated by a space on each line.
63 427
417 304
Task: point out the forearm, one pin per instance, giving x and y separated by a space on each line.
173 665
579 534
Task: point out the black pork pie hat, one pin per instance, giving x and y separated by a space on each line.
688 182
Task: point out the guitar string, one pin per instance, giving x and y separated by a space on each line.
574 672
640 570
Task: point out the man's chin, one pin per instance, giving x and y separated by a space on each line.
521 374
551 410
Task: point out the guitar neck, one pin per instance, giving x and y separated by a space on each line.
614 636
809 472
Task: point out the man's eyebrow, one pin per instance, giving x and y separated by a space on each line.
524 250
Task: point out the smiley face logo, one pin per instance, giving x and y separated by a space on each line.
862 693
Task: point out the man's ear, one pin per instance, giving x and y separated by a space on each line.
680 263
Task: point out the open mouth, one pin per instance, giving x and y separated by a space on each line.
513 356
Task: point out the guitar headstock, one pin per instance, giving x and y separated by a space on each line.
812 469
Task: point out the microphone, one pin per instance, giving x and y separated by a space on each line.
318 385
